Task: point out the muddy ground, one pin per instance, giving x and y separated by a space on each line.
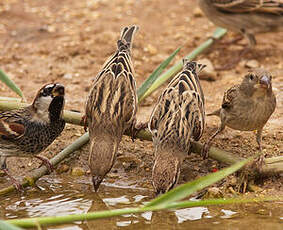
67 41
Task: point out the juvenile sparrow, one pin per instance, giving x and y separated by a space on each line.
247 106
111 107
27 131
177 118
245 16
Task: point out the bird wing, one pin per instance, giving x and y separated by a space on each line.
229 97
240 6
113 96
179 112
11 124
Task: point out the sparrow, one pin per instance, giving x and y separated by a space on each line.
111 107
247 17
246 106
176 120
28 131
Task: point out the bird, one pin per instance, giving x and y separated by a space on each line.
177 118
247 17
246 106
27 131
111 107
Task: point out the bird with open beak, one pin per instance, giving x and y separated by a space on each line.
247 106
28 131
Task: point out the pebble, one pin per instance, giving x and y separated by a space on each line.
213 192
208 73
150 49
68 76
252 64
197 12
63 168
78 171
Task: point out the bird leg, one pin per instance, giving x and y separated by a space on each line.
232 41
17 184
233 63
47 163
207 145
259 162
84 122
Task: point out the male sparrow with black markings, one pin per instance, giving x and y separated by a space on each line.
28 131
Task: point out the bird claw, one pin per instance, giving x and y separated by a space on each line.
259 162
17 184
84 122
243 182
47 163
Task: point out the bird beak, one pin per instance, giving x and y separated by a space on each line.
58 90
96 180
264 82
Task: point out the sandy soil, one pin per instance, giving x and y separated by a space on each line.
67 42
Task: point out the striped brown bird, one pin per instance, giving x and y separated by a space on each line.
247 106
111 107
177 118
245 16
28 131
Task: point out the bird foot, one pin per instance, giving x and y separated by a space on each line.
243 182
84 122
138 127
259 163
47 163
16 183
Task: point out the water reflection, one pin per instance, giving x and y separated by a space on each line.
67 196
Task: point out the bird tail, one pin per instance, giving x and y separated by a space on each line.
195 68
215 113
126 38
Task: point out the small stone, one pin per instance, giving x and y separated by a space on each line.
208 73
112 175
252 64
213 192
151 49
197 12
78 171
63 168
2 173
68 76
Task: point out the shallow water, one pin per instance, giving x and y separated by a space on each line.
62 196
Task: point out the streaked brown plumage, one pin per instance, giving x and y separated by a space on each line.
247 106
177 118
28 131
111 107
245 16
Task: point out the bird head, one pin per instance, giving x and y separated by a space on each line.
165 172
257 81
49 102
103 149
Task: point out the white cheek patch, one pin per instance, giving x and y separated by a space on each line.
49 86
42 105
